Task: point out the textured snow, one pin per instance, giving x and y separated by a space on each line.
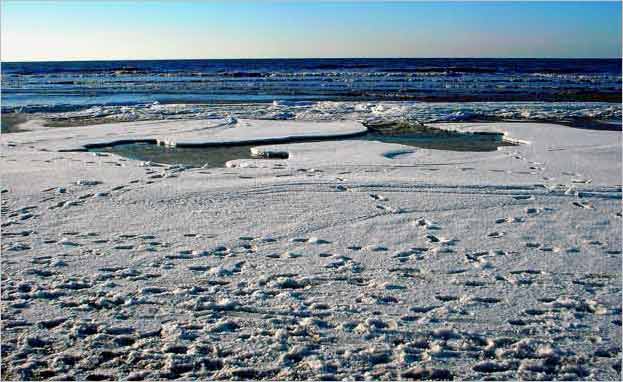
343 261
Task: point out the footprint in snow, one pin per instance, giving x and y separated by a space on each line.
523 197
585 205
393 210
496 234
377 197
430 225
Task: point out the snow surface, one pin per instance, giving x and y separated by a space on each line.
187 132
339 262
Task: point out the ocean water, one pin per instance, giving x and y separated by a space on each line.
422 89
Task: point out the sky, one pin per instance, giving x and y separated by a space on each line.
108 30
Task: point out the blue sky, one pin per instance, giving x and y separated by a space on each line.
81 30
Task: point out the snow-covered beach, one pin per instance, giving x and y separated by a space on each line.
348 260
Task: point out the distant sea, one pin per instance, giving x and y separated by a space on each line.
60 87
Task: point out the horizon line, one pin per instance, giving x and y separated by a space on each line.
312 58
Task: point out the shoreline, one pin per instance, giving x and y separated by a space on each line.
20 122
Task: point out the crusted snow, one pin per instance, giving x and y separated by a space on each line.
186 132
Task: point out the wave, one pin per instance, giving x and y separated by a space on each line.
500 65
443 70
62 87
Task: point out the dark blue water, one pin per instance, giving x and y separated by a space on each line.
69 86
